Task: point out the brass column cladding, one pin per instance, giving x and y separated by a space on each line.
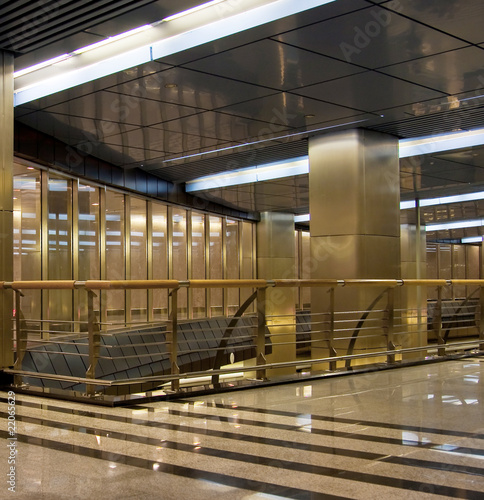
413 300
6 207
275 260
354 201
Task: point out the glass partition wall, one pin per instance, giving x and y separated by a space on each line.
68 229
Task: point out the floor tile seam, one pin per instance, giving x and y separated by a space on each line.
104 416
324 418
242 483
357 476
115 414
392 463
383 432
274 434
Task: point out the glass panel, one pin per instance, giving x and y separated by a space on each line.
232 268
445 269
89 249
179 255
115 255
459 269
247 262
160 261
305 269
59 226
432 269
215 257
139 261
27 262
197 270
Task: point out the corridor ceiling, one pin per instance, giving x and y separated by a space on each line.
409 68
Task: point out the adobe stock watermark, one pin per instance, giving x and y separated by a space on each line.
11 443
372 29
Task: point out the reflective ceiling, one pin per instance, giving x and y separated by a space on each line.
405 67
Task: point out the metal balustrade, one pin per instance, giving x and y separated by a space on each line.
97 360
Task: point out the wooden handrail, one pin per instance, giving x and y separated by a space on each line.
221 283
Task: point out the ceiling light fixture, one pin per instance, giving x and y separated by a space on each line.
443 142
192 10
163 40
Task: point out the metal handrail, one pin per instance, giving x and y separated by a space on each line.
328 324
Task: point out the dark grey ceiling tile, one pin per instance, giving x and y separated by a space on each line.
453 72
191 88
223 126
121 108
461 19
372 38
289 110
273 64
369 91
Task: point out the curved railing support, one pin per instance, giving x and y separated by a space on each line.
360 323
225 337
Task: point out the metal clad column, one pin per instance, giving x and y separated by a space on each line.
6 205
413 298
354 201
275 260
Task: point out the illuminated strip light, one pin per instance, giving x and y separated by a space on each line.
472 239
302 218
192 10
63 57
442 142
444 200
166 39
249 175
455 225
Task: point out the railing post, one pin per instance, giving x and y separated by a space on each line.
437 323
94 335
388 325
481 318
172 339
20 337
260 343
329 329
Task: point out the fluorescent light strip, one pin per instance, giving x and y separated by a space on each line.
442 142
302 218
192 10
249 175
455 225
166 39
472 239
41 65
112 39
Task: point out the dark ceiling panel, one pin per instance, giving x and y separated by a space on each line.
453 72
461 19
371 38
369 92
122 109
191 88
275 65
284 109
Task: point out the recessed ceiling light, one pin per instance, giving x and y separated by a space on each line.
171 85
309 116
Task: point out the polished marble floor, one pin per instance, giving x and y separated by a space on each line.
415 432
